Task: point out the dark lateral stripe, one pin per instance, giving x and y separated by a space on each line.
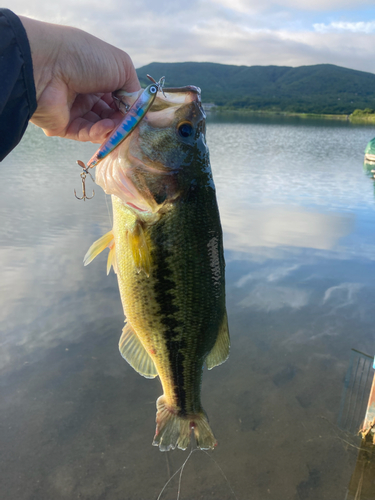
164 288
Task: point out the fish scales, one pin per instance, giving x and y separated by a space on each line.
169 310
170 269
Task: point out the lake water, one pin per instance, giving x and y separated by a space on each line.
77 421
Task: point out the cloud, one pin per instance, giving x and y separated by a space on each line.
324 5
223 31
359 27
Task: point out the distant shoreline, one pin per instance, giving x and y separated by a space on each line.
223 110
320 91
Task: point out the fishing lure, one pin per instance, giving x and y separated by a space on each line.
131 120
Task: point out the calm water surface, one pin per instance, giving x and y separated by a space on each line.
77 421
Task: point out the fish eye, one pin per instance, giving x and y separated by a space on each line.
153 89
185 129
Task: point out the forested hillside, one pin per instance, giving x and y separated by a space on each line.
323 88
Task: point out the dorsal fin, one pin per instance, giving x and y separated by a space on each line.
220 351
131 349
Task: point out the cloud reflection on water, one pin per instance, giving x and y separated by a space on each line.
344 294
280 226
271 298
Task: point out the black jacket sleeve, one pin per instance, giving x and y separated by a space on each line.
17 89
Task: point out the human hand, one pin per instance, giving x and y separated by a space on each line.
74 75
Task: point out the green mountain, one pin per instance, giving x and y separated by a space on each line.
323 88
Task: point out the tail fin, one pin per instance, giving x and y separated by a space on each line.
174 430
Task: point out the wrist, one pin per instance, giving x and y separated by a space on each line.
45 41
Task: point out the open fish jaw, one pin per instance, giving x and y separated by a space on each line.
154 153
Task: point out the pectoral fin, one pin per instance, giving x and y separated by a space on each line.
220 350
139 249
106 241
131 349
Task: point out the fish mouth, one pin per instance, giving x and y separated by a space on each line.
179 95
171 98
188 88
168 97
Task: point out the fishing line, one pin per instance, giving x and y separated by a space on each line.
181 470
342 439
175 474
109 212
168 465
222 473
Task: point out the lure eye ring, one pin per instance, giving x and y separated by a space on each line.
185 130
153 89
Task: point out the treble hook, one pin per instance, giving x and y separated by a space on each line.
159 84
83 178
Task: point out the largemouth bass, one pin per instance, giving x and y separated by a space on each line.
166 249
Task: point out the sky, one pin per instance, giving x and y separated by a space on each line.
240 32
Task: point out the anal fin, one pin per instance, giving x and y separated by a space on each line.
220 351
132 349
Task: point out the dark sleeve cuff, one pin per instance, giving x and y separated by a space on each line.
17 95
